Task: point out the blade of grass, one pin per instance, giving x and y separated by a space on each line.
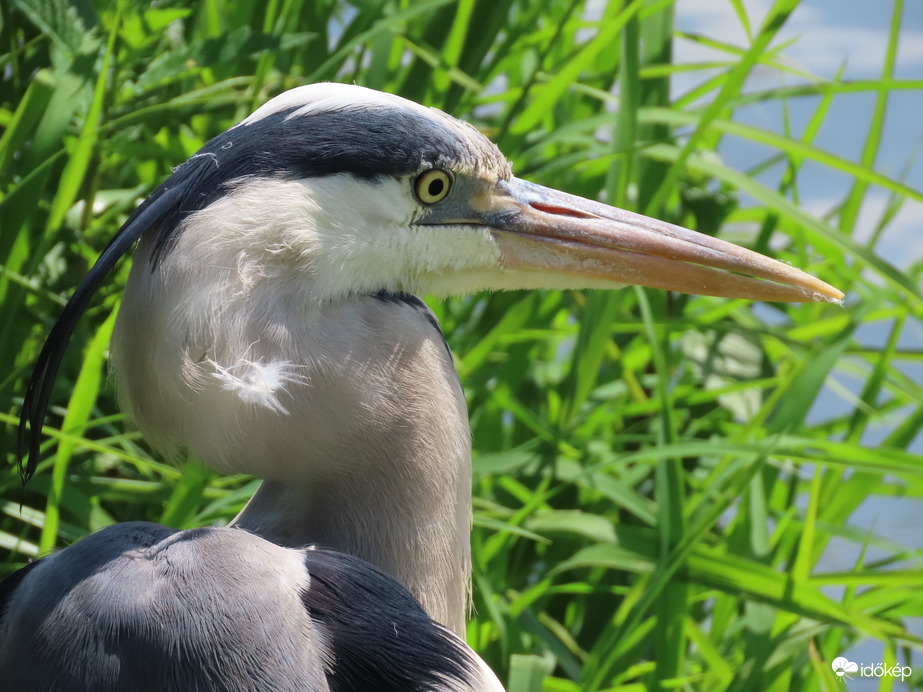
79 408
850 212
775 19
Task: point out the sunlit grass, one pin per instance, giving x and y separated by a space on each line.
655 484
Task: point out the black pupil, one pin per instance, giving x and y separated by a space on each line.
435 187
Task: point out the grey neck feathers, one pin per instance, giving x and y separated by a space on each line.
352 412
425 548
396 488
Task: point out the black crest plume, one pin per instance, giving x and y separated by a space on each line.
38 392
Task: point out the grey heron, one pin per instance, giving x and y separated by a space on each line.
270 325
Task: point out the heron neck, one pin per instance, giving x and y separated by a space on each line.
422 541
350 409
377 463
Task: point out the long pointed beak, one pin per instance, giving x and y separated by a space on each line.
539 229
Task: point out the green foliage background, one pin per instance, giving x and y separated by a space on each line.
650 502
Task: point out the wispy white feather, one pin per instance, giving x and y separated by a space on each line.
259 383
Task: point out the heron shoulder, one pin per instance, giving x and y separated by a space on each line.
140 606
144 607
371 638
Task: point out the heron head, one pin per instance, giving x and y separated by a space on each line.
331 192
358 191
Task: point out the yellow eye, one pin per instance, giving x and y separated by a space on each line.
432 186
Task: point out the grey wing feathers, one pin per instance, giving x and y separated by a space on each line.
141 607
138 606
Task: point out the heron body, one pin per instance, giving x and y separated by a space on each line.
138 606
270 326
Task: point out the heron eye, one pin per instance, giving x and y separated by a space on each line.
432 186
